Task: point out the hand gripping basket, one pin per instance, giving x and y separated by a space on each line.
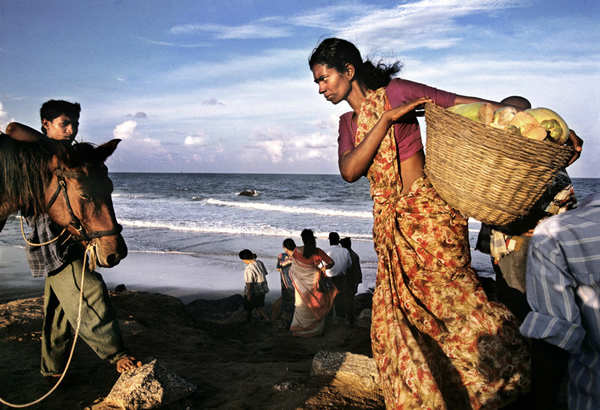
486 173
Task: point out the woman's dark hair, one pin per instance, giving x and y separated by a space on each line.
289 244
337 53
310 243
247 254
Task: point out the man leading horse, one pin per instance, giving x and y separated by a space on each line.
62 264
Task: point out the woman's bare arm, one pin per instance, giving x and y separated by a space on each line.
463 99
355 162
577 144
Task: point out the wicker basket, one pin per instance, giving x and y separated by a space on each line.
486 173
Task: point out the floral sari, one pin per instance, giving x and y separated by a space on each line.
437 340
311 306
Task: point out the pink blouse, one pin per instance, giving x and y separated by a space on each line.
407 132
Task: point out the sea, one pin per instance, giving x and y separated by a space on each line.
208 215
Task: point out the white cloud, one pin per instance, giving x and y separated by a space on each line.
152 142
171 44
4 119
274 149
125 130
259 95
331 18
402 28
329 123
195 140
258 29
315 141
312 154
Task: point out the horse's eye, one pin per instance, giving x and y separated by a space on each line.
85 197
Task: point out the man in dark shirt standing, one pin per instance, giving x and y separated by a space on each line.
342 260
351 280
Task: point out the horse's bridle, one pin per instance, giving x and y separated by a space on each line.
83 235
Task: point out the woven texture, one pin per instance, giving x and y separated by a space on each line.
486 173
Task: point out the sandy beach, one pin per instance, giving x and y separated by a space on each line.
235 365
180 275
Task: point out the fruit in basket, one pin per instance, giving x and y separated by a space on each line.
480 112
528 126
557 128
536 123
503 116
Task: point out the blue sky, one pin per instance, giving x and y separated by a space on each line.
206 86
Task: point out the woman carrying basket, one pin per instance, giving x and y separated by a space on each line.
437 340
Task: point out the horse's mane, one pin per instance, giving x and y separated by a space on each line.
24 173
25 170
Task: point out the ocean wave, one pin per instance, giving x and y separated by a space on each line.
124 196
260 230
291 209
161 252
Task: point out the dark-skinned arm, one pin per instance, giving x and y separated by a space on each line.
577 144
355 162
463 99
22 132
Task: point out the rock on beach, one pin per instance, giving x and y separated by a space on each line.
147 387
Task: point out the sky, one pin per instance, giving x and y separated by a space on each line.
224 86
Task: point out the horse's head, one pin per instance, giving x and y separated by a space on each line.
79 198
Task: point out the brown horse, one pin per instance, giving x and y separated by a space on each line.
68 182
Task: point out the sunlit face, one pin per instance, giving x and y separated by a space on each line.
62 128
334 86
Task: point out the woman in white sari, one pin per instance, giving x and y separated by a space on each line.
311 305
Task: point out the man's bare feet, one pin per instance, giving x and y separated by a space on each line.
127 363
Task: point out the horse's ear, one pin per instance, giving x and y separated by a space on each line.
105 150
